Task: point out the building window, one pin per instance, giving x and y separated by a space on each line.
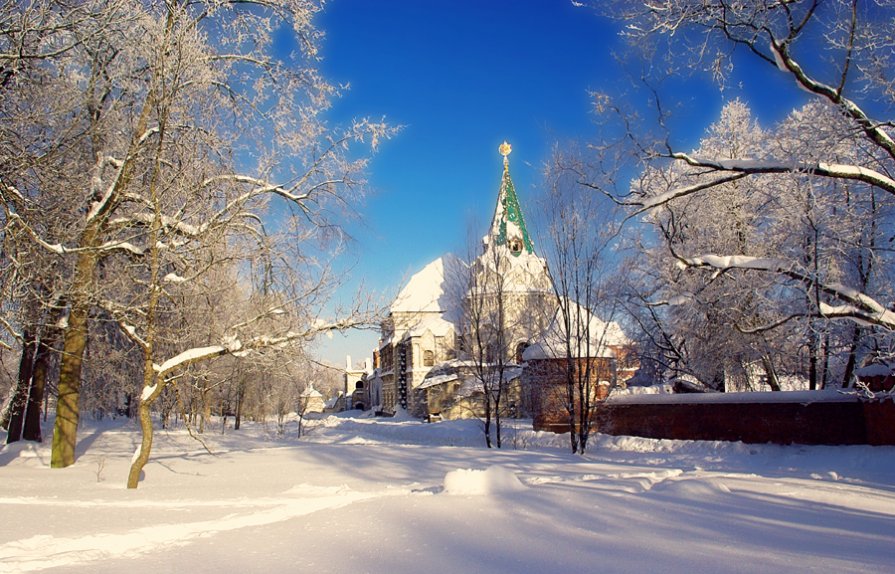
428 358
359 385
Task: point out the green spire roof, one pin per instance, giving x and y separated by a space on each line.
508 226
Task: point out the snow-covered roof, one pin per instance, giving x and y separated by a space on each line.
459 369
433 289
311 392
602 338
876 370
437 324
524 273
438 380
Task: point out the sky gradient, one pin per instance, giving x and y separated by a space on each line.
461 77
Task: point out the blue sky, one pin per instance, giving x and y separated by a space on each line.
462 76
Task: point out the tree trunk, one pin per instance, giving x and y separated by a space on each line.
852 357
240 393
812 359
770 372
19 402
32 430
65 431
142 457
487 422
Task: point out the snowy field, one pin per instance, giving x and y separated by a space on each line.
398 496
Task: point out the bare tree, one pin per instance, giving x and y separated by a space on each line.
173 102
582 231
486 337
784 35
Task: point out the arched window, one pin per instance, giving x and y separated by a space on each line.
359 385
428 358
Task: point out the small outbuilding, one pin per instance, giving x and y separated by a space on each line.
311 401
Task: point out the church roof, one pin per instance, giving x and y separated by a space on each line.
508 224
601 337
433 289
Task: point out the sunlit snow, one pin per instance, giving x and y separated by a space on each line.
399 496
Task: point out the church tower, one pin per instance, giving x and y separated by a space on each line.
510 280
508 225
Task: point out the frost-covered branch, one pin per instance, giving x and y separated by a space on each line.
855 305
232 345
787 63
753 167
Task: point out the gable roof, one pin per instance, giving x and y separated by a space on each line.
597 341
433 289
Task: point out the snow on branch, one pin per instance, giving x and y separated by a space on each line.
167 222
123 246
855 305
673 194
103 205
786 63
752 167
742 168
57 248
193 355
232 345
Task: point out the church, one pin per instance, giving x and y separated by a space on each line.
459 330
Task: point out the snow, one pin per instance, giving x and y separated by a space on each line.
876 370
803 397
190 355
739 262
778 58
601 336
434 323
401 496
433 288
435 380
147 392
492 480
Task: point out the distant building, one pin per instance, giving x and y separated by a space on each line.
601 360
356 393
311 401
425 362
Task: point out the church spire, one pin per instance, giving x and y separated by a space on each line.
508 227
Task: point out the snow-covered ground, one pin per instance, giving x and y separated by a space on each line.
398 496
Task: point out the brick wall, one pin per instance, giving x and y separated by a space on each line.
546 379
835 422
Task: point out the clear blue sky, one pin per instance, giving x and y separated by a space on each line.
462 76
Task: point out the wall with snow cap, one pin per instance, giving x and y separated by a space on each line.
807 417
